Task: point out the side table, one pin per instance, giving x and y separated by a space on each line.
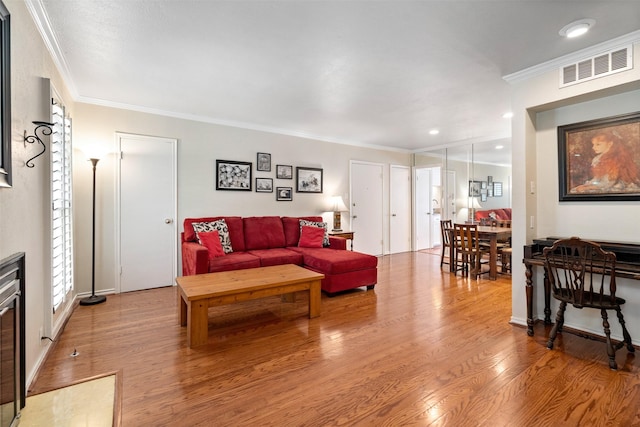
344 234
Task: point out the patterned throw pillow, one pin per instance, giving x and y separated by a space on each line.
323 225
221 227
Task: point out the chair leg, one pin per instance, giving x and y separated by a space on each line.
625 333
442 256
557 327
611 351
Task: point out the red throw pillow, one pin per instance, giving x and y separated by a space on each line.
211 240
311 237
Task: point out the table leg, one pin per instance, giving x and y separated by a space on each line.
315 299
493 258
182 310
547 299
197 322
529 292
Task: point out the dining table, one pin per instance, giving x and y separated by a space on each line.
493 235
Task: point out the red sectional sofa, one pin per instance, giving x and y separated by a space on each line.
273 240
500 214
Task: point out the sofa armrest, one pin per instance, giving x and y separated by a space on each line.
195 259
337 242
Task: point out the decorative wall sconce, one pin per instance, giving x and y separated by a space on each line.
45 130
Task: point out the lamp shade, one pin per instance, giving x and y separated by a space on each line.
473 203
337 204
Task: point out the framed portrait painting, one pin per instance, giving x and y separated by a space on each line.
599 160
308 180
232 175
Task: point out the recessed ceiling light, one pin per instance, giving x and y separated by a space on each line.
507 115
434 132
577 28
499 147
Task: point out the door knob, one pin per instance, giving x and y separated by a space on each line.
355 216
168 221
393 214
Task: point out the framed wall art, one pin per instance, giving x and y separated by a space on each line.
284 194
5 97
264 185
497 189
308 180
232 175
599 160
474 188
263 162
284 171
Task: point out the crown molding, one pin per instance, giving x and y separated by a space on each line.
41 19
235 124
555 64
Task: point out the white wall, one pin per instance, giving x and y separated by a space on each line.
540 106
199 145
24 208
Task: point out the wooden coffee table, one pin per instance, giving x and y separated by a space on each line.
199 292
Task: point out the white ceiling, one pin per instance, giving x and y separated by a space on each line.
377 73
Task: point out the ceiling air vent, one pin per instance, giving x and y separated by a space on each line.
603 64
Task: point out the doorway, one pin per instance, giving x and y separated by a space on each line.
146 212
428 208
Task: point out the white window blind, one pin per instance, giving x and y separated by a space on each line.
61 203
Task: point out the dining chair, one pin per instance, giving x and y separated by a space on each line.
467 246
445 229
582 274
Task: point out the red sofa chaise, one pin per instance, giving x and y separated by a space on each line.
273 240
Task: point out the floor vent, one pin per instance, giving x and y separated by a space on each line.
613 61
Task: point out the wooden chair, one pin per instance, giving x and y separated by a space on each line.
504 248
505 259
467 246
582 274
445 229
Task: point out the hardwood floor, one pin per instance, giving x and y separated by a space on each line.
424 348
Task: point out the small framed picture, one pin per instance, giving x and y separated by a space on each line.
490 180
483 197
263 162
284 171
308 180
284 194
264 185
232 175
497 189
474 188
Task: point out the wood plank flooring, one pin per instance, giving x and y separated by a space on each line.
424 348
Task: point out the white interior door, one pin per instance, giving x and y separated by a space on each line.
423 209
367 207
400 220
147 211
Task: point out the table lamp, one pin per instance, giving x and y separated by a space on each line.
337 206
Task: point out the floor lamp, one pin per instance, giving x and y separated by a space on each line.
93 299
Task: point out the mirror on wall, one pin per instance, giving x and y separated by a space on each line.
457 182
